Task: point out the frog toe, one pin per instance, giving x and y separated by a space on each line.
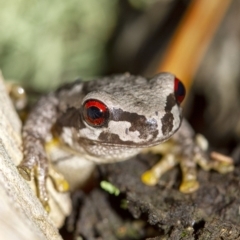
43 196
46 206
223 168
189 186
149 178
221 163
25 172
60 183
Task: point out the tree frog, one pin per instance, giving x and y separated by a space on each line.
113 119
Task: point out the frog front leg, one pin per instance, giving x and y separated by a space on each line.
35 133
188 150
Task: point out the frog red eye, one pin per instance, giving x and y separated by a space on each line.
95 113
179 90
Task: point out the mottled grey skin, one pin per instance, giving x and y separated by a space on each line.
143 113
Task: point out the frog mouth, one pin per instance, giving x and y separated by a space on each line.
124 144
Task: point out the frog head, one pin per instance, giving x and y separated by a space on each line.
131 110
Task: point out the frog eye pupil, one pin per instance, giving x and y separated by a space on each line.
179 90
95 113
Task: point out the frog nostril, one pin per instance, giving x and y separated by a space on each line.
179 90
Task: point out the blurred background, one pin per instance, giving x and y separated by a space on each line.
46 43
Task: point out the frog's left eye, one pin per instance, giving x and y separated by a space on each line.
179 90
95 113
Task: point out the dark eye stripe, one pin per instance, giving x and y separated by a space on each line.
95 113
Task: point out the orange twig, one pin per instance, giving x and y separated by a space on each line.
192 38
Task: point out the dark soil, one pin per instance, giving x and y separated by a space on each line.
160 212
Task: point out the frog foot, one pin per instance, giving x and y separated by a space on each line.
36 163
59 182
188 157
37 167
189 182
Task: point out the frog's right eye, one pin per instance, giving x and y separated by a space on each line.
95 113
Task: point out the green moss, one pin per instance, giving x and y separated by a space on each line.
43 43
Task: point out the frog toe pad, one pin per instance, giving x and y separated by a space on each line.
25 172
189 186
149 178
60 183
